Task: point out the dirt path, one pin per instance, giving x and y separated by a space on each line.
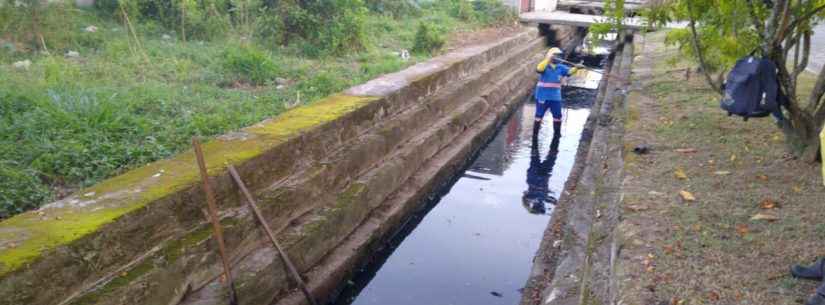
710 250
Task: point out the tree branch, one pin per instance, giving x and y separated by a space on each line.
815 104
698 50
793 41
760 27
779 7
806 16
806 52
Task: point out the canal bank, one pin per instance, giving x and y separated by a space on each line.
333 179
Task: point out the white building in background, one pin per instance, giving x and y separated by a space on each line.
544 5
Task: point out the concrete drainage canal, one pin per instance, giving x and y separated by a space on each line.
474 242
335 181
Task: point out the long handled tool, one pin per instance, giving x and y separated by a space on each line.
254 207
580 66
216 225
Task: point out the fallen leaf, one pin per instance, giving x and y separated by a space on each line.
680 174
765 216
686 150
797 189
732 157
722 173
768 204
637 207
776 138
713 296
742 229
687 196
123 274
762 177
668 249
696 227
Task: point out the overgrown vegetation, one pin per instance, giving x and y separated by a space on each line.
428 39
87 93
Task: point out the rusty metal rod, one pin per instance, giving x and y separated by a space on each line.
213 217
254 207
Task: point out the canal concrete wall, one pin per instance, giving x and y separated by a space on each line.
576 262
332 179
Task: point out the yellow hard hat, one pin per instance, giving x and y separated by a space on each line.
554 51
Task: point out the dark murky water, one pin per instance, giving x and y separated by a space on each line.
476 245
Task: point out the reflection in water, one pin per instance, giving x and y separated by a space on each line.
538 193
476 244
500 152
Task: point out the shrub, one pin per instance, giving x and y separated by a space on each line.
428 39
494 12
33 24
395 8
249 64
20 190
202 19
324 26
461 9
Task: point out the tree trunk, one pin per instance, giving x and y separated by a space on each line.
802 136
697 48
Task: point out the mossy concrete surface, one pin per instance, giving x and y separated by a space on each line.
25 236
319 171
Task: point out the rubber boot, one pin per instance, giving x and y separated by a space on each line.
557 127
814 272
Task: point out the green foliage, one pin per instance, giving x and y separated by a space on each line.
249 64
395 8
67 123
491 12
196 19
324 26
613 22
30 25
20 190
428 39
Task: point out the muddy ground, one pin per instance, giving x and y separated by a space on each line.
714 249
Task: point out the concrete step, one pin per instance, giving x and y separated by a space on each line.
311 236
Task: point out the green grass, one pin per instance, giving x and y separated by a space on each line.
67 123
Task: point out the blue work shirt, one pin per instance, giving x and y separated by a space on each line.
549 85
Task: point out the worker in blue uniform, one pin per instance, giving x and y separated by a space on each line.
548 89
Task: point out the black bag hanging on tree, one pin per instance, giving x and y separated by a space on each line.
752 90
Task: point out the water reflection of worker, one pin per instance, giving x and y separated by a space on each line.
538 192
548 89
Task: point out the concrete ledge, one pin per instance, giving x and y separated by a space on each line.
140 238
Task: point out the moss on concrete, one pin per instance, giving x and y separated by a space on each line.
115 197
